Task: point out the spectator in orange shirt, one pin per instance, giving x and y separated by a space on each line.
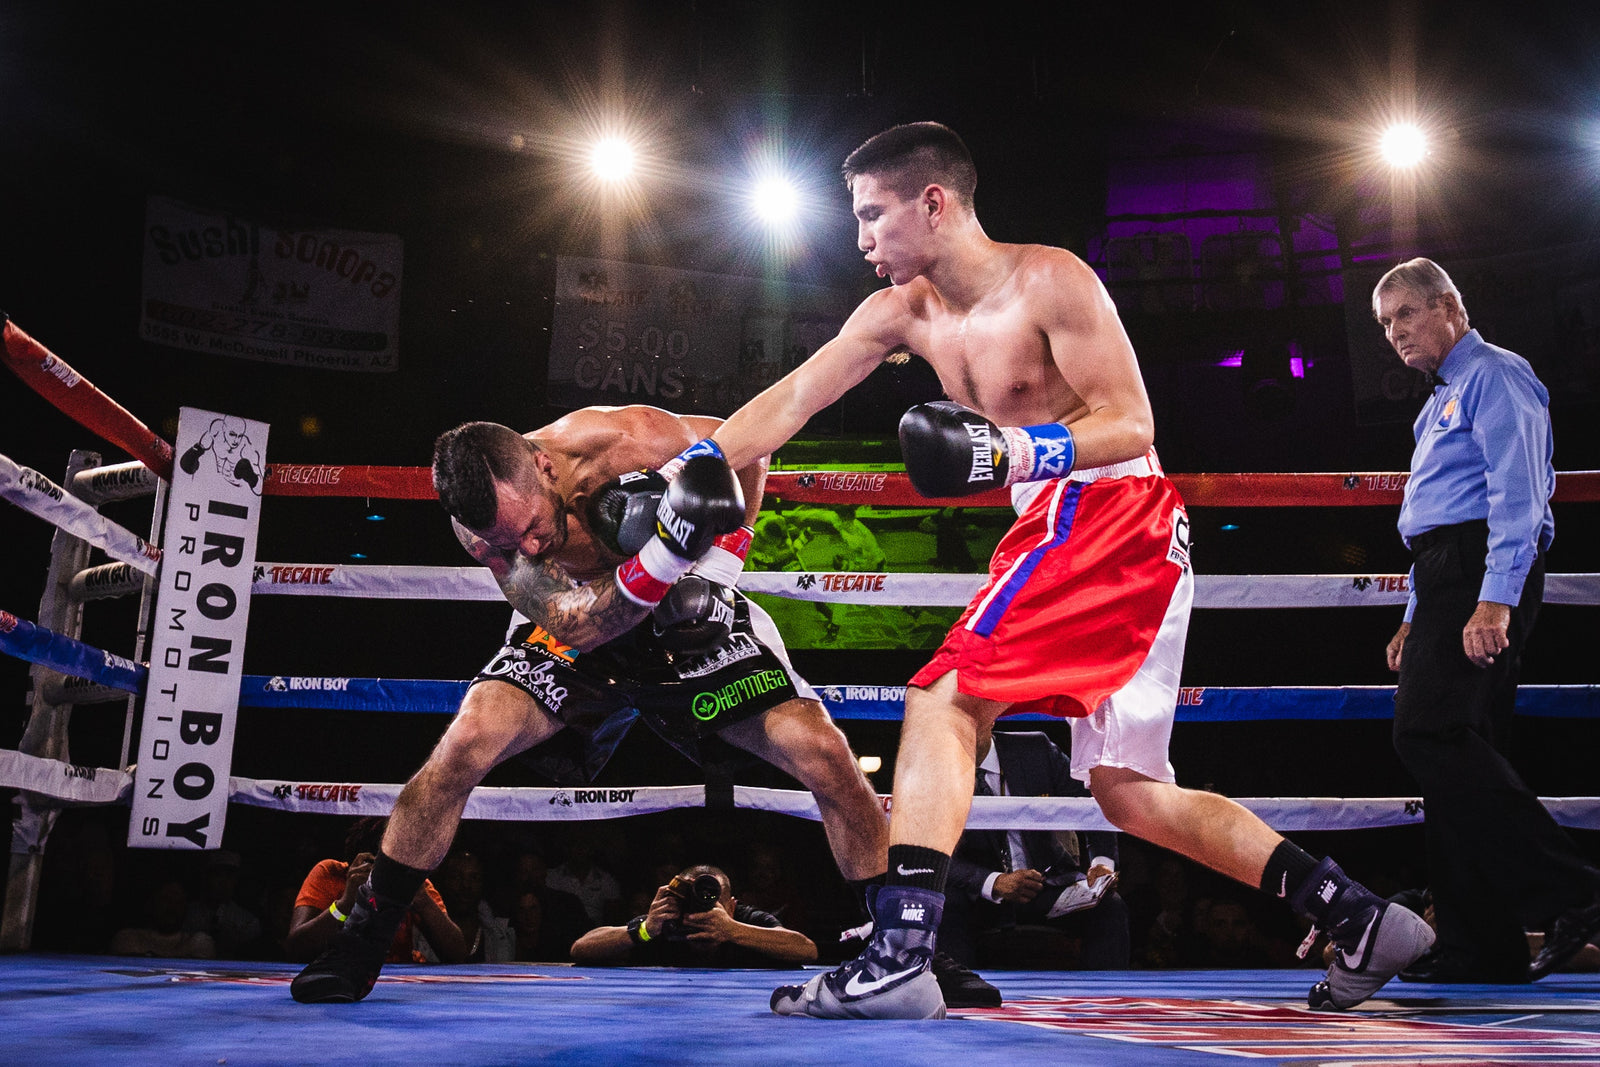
329 892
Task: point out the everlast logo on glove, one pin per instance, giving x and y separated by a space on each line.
672 524
982 453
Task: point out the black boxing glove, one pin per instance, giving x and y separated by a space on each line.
245 473
696 614
703 501
951 450
622 513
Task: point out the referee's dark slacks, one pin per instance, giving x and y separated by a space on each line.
1496 859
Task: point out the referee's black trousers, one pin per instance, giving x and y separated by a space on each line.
1496 859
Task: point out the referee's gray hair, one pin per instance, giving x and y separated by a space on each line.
1421 276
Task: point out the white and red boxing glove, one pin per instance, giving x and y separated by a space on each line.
703 502
951 450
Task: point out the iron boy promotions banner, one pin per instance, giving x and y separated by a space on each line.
217 283
180 795
688 341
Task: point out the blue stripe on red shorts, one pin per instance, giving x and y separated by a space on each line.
985 623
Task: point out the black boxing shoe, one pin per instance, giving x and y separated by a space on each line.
348 968
1445 967
344 973
1567 935
961 987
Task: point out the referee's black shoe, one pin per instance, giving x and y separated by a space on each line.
1566 937
961 987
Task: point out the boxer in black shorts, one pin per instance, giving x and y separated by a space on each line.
683 697
618 539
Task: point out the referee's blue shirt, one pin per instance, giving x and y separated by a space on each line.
1484 451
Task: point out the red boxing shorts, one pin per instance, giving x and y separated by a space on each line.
1078 591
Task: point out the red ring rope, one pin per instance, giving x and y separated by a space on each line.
76 397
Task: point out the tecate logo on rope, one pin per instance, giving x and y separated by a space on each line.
843 481
8 622
305 474
299 575
328 794
853 582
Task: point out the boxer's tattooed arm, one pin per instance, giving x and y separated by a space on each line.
499 563
584 615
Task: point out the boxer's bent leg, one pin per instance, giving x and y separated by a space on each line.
496 721
1375 939
799 738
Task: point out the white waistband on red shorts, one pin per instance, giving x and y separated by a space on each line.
1145 466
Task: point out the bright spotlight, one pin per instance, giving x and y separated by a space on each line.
870 764
1404 145
776 201
612 159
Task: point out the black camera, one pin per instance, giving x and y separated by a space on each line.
696 895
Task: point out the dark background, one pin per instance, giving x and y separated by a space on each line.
456 126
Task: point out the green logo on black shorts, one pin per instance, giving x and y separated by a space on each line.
708 706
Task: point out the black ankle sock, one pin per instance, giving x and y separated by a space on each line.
918 867
393 883
1287 868
860 887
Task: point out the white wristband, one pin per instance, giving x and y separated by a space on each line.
645 578
719 565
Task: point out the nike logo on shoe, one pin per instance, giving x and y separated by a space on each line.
1352 959
905 873
856 987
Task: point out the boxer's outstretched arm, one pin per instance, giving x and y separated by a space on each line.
777 413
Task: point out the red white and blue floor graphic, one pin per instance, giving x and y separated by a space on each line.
91 1010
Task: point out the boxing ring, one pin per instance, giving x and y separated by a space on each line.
475 1014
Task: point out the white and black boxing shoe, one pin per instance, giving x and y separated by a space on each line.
892 979
1373 939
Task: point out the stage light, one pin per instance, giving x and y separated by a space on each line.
1403 145
870 764
776 201
612 159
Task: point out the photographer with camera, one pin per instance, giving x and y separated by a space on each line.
694 921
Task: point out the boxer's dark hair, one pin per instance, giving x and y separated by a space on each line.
912 157
466 462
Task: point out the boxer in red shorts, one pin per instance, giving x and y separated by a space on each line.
1089 594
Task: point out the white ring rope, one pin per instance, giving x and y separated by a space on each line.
869 587
35 493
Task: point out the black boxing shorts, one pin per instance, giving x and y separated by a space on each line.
684 698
